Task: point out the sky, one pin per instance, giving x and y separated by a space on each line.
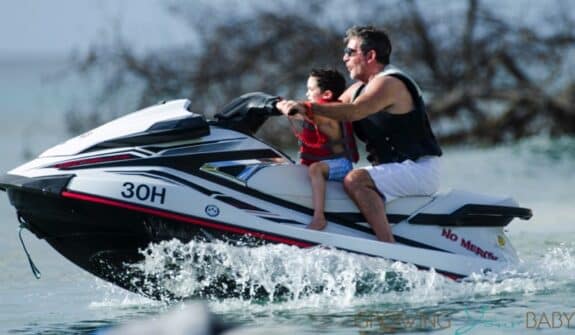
36 28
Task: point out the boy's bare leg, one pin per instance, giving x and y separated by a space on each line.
318 173
361 188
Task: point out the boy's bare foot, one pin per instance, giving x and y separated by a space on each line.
317 224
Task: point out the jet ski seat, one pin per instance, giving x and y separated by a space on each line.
291 183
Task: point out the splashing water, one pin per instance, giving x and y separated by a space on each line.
274 272
286 277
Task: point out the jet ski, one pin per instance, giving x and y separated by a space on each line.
166 172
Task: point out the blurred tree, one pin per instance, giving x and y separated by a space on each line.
486 77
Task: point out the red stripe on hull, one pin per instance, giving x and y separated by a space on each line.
183 218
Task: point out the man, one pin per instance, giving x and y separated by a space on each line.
388 114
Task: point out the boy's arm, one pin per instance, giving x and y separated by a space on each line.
323 121
329 127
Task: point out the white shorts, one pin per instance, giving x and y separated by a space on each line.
407 178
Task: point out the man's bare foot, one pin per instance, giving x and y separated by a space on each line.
317 224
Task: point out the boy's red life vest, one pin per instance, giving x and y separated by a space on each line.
316 146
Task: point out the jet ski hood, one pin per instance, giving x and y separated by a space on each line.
156 123
168 122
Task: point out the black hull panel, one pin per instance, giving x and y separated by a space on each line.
105 240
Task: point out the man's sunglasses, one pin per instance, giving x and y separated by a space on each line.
349 52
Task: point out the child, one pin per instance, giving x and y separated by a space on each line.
327 146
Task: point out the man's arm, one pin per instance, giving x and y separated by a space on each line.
381 93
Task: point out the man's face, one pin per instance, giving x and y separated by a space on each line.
354 59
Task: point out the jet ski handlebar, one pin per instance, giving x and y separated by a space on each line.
248 112
250 103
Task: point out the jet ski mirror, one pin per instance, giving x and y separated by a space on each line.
248 112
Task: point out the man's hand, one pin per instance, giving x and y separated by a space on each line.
292 108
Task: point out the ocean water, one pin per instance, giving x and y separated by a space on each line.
303 291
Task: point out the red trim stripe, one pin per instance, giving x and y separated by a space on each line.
93 160
179 217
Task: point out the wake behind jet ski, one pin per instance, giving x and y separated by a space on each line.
165 172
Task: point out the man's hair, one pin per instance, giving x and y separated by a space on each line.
371 39
329 79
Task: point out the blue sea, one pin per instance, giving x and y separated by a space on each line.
536 297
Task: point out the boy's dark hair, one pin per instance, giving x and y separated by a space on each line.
371 39
328 79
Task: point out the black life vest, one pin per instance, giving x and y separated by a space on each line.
397 137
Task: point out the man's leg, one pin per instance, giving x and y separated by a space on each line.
361 188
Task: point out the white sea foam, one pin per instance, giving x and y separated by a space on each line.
280 277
